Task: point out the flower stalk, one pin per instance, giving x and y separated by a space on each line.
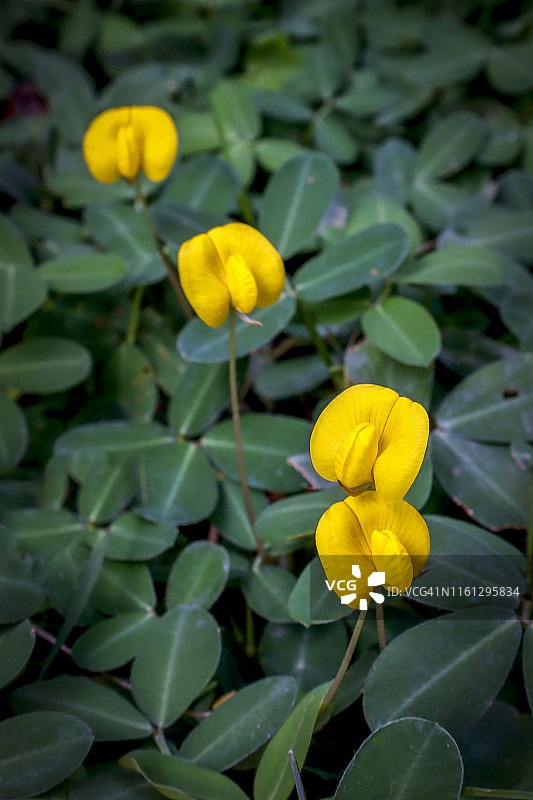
345 663
238 435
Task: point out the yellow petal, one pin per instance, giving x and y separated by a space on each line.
241 284
128 151
202 278
355 458
392 558
363 403
401 448
100 143
159 140
262 259
375 513
341 545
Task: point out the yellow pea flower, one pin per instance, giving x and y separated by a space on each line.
370 437
230 266
375 535
121 141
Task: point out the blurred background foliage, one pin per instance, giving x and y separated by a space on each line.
386 149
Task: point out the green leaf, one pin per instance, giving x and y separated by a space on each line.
465 556
268 441
333 137
404 330
483 479
465 266
21 587
44 365
505 229
198 342
230 516
177 658
177 485
128 378
359 260
508 67
13 433
376 208
205 183
123 588
311 602
288 524
393 168
312 656
253 714
273 152
440 205
410 757
291 377
110 716
493 403
16 647
44 531
527 663
367 364
450 684
267 589
295 200
127 440
39 750
106 490
113 642
113 784
121 230
198 575
22 289
82 274
200 396
38 224
178 779
197 131
450 145
234 111
132 538
273 778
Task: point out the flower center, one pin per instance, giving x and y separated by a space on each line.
128 152
355 458
391 557
241 284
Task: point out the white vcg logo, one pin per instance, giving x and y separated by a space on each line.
375 579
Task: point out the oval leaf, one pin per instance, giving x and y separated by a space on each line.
16 647
198 342
82 274
450 684
253 715
295 200
465 266
44 366
449 145
411 757
13 433
198 575
39 750
268 441
178 657
404 330
364 257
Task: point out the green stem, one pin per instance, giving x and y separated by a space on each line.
529 545
238 435
500 794
380 622
345 663
134 315
246 208
161 742
336 371
171 272
249 644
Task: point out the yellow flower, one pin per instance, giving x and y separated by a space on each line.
121 141
370 437
230 266
375 535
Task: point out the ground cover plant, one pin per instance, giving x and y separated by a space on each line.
357 178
